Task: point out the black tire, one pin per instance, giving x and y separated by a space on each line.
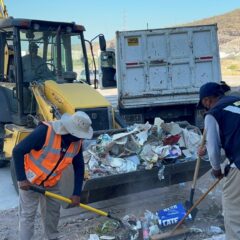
3 163
13 175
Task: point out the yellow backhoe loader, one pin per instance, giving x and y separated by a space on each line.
39 78
3 10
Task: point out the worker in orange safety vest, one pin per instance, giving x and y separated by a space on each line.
40 159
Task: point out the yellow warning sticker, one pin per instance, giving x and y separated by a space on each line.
133 41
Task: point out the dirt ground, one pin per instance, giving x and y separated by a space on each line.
76 224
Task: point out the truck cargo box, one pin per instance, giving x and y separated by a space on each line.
164 68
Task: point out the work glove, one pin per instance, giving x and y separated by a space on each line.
75 200
202 151
217 173
24 185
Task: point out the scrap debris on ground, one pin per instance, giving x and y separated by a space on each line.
142 146
80 225
149 226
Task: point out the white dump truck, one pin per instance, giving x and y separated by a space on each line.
159 71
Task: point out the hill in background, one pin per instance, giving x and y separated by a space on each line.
228 32
228 37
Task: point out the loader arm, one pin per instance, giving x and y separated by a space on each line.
46 110
3 10
3 15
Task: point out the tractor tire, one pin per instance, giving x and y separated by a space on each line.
13 175
3 163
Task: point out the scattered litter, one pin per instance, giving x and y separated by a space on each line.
109 226
218 237
93 237
122 165
196 230
168 151
172 215
134 158
187 153
214 230
148 225
192 140
96 237
107 237
93 163
153 230
132 222
145 230
113 230
161 173
142 146
173 139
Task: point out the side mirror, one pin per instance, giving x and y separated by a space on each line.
102 42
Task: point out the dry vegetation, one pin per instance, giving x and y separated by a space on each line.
229 39
230 66
228 31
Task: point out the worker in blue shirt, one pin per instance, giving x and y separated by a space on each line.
222 126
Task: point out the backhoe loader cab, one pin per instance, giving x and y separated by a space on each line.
40 62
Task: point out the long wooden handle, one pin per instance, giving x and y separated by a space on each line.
169 234
196 204
195 176
68 200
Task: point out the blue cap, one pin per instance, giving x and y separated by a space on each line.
209 89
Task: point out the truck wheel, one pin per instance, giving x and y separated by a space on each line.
13 175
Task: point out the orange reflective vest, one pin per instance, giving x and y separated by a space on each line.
40 164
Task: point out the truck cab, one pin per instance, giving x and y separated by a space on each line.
107 68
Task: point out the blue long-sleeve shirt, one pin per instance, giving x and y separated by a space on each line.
35 140
213 142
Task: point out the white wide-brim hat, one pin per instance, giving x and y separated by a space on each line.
78 125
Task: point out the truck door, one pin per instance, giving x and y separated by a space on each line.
107 69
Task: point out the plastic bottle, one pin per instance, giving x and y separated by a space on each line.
145 230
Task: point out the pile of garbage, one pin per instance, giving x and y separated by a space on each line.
141 146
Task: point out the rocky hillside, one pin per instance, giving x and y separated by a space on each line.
228 36
228 32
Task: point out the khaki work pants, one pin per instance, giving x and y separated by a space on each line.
50 213
231 204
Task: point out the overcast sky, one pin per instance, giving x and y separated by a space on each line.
109 16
